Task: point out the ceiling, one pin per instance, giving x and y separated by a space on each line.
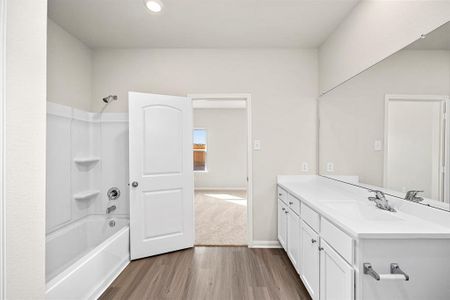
201 23
438 39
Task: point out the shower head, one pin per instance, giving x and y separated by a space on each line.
110 98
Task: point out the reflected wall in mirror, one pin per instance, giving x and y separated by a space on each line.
387 128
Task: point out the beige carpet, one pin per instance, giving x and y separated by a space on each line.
220 218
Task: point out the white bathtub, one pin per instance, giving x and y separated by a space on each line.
83 258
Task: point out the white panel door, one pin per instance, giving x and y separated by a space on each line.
336 276
161 174
310 260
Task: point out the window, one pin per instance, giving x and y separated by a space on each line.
200 150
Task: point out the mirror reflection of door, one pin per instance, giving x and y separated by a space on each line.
415 143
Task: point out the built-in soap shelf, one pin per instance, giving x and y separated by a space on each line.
86 194
86 160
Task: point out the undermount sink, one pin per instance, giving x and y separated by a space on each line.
362 211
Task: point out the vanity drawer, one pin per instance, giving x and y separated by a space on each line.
294 204
282 195
310 217
336 238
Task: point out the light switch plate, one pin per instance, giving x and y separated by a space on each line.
256 145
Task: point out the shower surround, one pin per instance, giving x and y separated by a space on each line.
87 154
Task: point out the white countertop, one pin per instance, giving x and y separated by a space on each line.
348 208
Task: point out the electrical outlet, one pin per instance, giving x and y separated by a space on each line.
377 145
305 167
330 167
256 145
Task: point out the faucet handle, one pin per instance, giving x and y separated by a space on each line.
378 194
414 193
412 196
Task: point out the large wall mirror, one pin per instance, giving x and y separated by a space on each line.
387 128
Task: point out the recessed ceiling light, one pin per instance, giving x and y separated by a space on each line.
154 6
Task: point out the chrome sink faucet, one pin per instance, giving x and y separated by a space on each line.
412 196
380 201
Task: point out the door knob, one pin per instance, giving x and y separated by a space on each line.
134 184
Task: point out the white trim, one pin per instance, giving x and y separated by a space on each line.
264 244
219 104
2 145
220 188
248 99
110 279
444 99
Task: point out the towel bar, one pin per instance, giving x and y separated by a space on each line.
396 273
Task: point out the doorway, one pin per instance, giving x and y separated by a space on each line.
222 169
416 131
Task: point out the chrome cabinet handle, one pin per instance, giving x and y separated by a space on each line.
135 184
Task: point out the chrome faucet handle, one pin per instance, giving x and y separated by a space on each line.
378 194
380 201
412 196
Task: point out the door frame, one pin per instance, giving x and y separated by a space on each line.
445 158
248 101
2 144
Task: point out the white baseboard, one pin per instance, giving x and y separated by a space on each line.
264 244
220 188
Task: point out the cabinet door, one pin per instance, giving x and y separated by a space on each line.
336 276
293 237
309 271
282 224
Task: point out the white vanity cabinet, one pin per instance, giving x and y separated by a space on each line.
310 259
293 236
324 271
351 250
289 226
336 275
282 224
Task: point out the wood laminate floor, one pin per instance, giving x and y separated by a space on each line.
210 273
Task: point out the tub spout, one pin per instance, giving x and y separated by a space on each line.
110 209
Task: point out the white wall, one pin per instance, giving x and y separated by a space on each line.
283 84
69 69
115 162
226 158
352 115
25 73
373 31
